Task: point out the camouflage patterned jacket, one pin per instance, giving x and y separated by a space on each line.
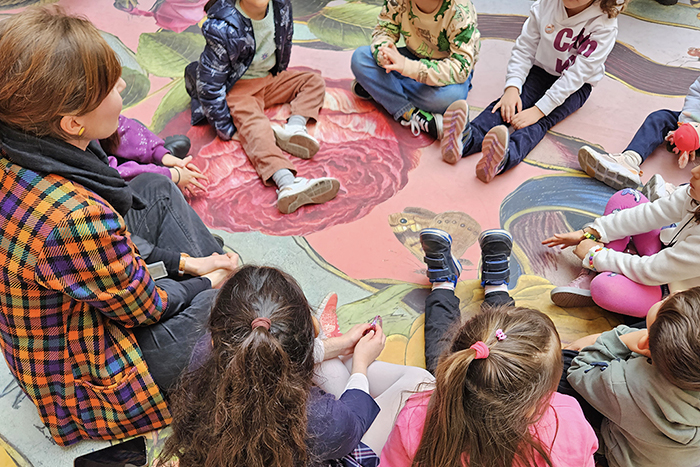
446 41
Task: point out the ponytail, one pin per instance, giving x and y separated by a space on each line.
483 408
246 406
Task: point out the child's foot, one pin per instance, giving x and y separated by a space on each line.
576 293
615 170
359 91
456 130
296 141
303 191
429 123
496 246
442 266
657 188
494 151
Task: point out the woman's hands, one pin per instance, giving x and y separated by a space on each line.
368 349
185 174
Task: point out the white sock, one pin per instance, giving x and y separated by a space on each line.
443 285
283 178
636 157
495 288
296 121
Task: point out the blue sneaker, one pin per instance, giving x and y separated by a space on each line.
442 266
496 246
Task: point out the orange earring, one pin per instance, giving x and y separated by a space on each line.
82 130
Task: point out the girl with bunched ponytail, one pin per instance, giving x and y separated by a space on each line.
494 403
253 395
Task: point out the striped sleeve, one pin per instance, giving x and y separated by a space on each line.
89 257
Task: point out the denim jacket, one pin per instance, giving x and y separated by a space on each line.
227 55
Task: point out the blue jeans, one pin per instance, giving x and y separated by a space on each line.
653 132
524 140
168 221
397 93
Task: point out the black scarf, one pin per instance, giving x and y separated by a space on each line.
88 168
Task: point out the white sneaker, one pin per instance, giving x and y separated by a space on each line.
296 141
657 188
304 191
615 170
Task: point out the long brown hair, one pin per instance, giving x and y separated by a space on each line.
612 8
674 341
246 405
52 65
483 410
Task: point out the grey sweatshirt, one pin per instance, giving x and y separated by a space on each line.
649 422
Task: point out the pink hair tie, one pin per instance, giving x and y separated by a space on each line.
264 322
500 335
482 351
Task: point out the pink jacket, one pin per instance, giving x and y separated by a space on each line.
573 443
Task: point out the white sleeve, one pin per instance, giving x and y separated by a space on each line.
692 102
581 71
644 217
523 54
319 351
358 381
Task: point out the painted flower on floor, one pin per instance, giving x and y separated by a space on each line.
174 15
359 147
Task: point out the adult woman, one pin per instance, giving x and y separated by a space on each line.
89 335
250 399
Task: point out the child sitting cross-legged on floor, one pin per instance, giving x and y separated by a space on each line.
558 56
241 72
646 385
493 402
417 83
626 282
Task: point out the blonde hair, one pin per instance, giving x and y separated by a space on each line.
52 65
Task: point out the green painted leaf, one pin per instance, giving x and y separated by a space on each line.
302 8
127 57
348 26
174 102
137 86
167 53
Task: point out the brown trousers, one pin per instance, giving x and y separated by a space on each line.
247 101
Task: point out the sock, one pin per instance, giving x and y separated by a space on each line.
296 121
283 178
407 114
634 156
495 288
443 285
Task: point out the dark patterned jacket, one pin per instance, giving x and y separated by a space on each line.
227 55
71 286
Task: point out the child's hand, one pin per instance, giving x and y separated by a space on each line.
367 350
393 60
564 239
509 104
201 266
351 338
637 341
584 247
526 118
577 345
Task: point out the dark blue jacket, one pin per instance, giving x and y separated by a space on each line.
227 55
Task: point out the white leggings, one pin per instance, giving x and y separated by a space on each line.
389 384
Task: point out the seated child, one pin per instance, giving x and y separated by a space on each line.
243 71
135 150
622 170
493 402
556 59
629 281
646 383
417 83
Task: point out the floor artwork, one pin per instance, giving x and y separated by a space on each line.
364 244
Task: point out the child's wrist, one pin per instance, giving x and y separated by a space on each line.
588 259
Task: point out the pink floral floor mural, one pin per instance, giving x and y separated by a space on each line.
364 244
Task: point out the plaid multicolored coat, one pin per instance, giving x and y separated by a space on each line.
71 285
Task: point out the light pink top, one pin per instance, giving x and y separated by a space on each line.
573 442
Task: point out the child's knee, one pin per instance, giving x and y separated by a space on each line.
361 58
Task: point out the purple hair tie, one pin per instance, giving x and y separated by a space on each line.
482 351
500 335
